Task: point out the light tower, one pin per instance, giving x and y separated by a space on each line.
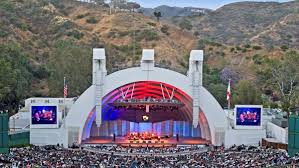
195 77
98 80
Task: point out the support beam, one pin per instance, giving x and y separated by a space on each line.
162 90
132 93
172 94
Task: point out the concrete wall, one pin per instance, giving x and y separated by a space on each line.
246 137
49 136
280 134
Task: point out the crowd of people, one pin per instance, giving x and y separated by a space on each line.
237 156
166 151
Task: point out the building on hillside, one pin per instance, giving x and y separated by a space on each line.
198 12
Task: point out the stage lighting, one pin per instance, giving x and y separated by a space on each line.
145 118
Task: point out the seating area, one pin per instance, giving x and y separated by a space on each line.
121 157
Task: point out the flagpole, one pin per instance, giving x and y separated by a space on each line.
63 114
228 94
228 104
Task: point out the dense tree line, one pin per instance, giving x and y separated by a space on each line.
15 76
72 61
277 84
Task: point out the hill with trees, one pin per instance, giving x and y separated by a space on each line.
41 41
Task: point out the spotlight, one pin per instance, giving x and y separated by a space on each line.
145 118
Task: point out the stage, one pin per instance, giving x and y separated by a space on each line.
146 143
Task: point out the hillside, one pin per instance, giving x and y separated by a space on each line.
43 30
243 36
268 24
43 41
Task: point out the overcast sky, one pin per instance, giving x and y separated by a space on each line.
211 4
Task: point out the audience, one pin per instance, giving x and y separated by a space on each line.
120 150
121 157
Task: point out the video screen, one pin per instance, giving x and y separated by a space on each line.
44 114
248 116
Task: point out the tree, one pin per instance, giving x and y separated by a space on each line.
132 6
185 24
7 78
72 61
246 93
285 78
219 92
158 15
164 29
213 84
15 77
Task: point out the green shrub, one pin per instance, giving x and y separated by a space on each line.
62 28
232 49
76 34
273 105
111 34
7 5
257 47
238 48
247 46
151 24
41 72
148 35
57 3
92 20
23 26
201 44
257 59
186 24
81 16
164 29
284 47
222 54
67 25
123 34
3 33
196 33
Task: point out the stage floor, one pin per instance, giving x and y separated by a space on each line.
164 142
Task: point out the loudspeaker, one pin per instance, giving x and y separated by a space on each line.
113 137
177 137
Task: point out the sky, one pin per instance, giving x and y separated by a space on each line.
211 4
